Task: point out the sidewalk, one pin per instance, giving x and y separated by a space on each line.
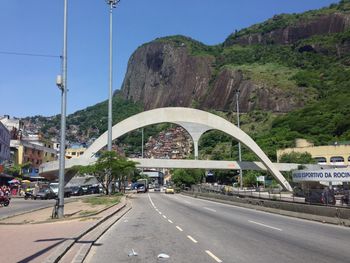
31 238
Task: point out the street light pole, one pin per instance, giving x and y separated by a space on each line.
62 84
142 142
112 4
239 143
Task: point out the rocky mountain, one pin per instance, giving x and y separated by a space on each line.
259 61
292 72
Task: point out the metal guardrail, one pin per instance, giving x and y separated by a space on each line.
274 194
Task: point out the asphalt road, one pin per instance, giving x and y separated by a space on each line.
19 205
194 230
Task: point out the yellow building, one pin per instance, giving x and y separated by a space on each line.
336 154
25 152
75 152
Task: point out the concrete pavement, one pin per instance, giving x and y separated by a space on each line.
42 241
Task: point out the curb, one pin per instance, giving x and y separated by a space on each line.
66 245
316 218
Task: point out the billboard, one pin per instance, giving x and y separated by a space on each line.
329 175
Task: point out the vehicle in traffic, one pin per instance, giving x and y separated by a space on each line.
4 200
141 189
29 195
157 188
144 183
45 193
169 190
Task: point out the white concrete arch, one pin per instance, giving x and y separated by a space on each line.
204 120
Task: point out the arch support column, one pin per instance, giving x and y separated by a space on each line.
195 130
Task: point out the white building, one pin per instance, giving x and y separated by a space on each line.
4 143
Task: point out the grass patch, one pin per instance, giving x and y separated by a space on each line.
103 200
270 74
88 212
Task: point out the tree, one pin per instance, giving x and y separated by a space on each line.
17 169
249 178
187 177
109 168
296 157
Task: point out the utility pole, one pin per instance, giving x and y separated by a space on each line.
62 84
112 4
239 143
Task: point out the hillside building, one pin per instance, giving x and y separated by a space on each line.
337 154
75 151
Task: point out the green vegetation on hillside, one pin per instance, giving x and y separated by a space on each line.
284 20
93 120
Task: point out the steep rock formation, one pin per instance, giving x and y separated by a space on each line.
325 24
161 74
252 96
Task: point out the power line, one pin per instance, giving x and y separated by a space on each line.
28 54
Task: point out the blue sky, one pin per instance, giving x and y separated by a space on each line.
27 83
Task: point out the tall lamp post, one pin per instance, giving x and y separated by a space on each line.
112 4
239 143
61 82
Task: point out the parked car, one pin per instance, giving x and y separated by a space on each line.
54 188
45 193
93 189
85 189
77 190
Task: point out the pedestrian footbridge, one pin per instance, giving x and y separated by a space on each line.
196 122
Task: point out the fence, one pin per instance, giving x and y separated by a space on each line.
309 196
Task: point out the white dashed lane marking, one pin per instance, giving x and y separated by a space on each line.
209 209
192 239
260 224
213 256
179 228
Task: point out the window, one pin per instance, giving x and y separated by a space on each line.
337 159
320 159
74 153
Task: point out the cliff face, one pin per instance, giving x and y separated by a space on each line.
177 71
325 24
160 74
252 96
